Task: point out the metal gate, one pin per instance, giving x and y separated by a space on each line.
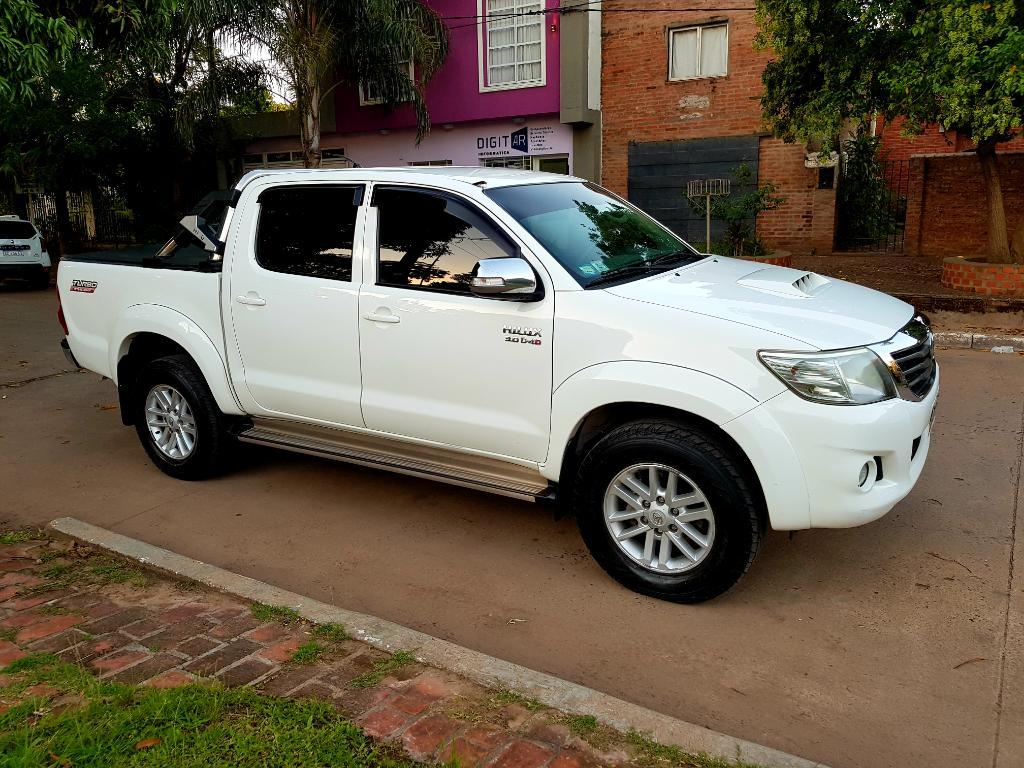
872 209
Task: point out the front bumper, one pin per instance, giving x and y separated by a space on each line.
830 444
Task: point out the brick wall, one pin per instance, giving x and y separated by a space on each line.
640 104
947 209
894 146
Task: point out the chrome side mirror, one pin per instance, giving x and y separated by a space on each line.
509 278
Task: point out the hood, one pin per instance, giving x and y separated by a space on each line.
818 311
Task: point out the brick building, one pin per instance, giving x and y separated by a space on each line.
680 101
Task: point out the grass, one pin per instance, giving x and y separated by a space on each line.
648 753
581 725
307 653
330 633
98 570
382 669
277 613
505 697
20 537
196 726
8 634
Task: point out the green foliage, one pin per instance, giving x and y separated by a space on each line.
20 536
330 632
863 196
191 727
739 210
308 652
347 42
959 63
277 613
382 669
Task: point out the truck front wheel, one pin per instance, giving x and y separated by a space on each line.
178 421
668 511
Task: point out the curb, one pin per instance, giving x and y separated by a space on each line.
986 341
478 667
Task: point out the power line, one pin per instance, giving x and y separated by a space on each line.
479 19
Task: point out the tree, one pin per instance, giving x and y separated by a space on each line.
134 109
322 43
958 63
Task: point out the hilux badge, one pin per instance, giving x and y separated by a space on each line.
518 335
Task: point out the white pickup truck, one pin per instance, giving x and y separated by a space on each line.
525 334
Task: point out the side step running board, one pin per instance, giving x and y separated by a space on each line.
431 463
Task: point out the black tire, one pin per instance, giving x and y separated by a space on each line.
728 485
209 454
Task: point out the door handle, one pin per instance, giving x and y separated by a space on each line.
382 317
252 300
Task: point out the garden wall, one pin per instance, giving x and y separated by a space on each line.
947 206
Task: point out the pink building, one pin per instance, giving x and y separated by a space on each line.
520 88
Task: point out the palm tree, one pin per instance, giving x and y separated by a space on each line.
320 44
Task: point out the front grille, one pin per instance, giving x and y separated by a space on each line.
917 362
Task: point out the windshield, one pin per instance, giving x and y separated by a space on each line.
592 233
17 230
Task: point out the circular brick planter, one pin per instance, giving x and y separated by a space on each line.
775 259
983 278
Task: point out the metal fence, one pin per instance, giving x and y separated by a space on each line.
876 223
95 217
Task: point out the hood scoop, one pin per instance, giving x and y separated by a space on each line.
781 282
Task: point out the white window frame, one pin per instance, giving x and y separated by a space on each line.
366 101
699 29
482 51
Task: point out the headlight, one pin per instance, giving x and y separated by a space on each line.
851 377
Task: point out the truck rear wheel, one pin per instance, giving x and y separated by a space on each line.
668 511
178 421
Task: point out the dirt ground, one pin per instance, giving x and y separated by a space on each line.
896 644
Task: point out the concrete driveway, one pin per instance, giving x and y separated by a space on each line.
897 644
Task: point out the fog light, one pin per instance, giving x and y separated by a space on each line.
865 473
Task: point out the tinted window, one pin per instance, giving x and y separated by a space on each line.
308 231
431 241
589 231
16 230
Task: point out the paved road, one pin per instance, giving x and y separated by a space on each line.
896 644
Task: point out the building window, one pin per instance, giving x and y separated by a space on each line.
695 52
369 95
429 163
545 163
512 46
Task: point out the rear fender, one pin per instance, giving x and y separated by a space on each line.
171 324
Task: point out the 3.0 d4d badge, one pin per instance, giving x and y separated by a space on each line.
517 335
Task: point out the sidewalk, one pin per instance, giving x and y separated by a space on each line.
131 626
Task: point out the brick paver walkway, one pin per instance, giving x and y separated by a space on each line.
57 596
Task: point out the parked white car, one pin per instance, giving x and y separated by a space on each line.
525 334
22 255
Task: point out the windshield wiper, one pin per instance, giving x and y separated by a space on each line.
675 258
659 264
620 273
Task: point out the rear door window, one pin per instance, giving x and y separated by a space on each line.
308 230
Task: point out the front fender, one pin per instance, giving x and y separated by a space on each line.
670 386
173 325
768 449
